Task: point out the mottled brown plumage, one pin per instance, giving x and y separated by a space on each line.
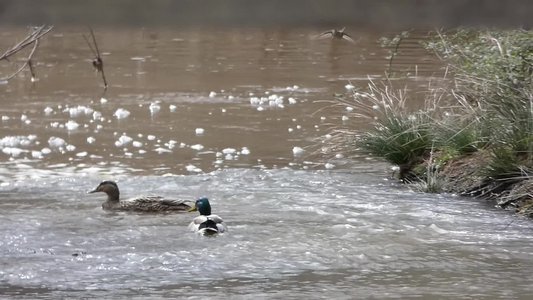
336 34
138 204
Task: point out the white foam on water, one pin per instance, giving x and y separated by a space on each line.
161 150
79 110
14 151
199 131
15 141
193 168
329 166
71 125
121 113
37 154
245 151
48 110
97 116
124 140
154 108
56 142
229 150
81 154
298 151
197 147
255 101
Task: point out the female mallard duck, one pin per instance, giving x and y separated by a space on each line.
336 34
139 204
206 223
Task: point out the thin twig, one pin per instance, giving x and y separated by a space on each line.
32 38
26 63
98 63
28 40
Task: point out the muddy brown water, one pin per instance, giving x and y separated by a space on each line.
219 112
189 95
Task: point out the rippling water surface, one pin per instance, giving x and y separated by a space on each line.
219 113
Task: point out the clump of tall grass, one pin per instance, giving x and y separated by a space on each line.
494 72
400 136
488 106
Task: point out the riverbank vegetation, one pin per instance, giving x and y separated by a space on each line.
474 135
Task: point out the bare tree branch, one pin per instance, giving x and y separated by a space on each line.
33 38
36 34
26 63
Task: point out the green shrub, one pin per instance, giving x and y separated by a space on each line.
489 105
494 72
400 140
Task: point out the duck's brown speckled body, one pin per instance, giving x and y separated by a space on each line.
138 204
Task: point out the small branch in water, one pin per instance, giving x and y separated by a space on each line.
26 63
32 38
395 44
32 70
98 63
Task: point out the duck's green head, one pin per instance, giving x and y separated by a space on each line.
202 205
108 187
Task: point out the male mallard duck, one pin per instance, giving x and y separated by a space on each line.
140 204
206 223
336 34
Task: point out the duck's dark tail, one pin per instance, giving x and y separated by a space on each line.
208 227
